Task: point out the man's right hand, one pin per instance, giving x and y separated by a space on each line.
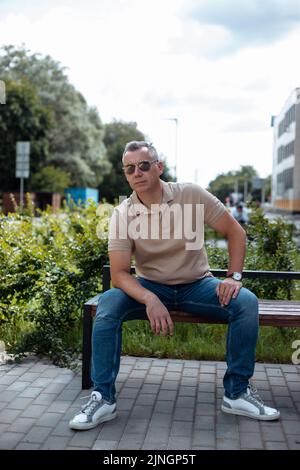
158 315
160 319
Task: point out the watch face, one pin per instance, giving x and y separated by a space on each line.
237 276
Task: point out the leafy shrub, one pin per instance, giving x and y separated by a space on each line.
270 247
48 266
51 264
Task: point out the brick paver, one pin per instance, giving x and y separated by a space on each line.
163 404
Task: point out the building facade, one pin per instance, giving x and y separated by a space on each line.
286 156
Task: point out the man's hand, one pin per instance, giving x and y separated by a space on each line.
160 319
227 289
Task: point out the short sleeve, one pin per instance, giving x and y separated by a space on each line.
213 207
118 239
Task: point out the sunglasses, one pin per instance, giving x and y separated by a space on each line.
144 165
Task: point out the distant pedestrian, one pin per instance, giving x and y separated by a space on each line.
240 213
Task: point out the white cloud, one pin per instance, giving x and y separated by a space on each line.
251 125
249 22
205 40
143 61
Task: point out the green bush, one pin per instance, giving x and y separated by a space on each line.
48 266
270 247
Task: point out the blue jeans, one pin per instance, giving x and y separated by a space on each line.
198 297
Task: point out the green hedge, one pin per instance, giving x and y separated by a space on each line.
50 264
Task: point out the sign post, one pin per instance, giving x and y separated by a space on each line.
259 183
2 92
22 166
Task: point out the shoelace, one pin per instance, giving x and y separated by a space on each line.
254 394
90 406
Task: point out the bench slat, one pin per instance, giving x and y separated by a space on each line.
271 313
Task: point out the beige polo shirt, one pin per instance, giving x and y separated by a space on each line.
166 240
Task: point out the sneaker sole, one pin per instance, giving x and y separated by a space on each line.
86 426
249 415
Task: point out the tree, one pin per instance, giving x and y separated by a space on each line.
116 135
75 136
166 175
24 118
51 180
225 183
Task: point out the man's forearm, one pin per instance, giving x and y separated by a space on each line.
236 250
132 287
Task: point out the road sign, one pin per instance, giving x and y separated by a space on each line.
257 183
22 165
2 92
23 148
22 159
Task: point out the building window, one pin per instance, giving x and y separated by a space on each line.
285 181
289 117
284 151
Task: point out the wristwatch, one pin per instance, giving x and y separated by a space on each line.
236 276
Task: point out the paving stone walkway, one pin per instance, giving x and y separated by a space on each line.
162 404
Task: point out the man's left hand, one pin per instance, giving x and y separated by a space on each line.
227 290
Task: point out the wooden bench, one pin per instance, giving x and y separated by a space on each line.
271 312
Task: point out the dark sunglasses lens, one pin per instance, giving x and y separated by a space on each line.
130 169
144 166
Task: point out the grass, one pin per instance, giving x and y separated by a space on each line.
204 342
11 332
208 342
190 341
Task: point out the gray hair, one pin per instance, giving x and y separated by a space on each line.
139 144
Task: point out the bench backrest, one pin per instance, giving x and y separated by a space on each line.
247 274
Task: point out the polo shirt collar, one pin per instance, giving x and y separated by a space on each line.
167 197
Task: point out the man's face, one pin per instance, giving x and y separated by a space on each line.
139 180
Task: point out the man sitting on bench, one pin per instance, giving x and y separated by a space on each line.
162 224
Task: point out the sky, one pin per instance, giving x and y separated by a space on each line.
201 78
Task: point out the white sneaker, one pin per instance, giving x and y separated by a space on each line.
249 404
96 411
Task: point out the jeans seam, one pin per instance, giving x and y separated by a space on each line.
208 305
228 358
119 325
122 317
114 361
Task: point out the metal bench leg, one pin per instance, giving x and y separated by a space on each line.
87 347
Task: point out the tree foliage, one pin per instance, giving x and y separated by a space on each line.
74 131
116 136
50 179
225 183
22 118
